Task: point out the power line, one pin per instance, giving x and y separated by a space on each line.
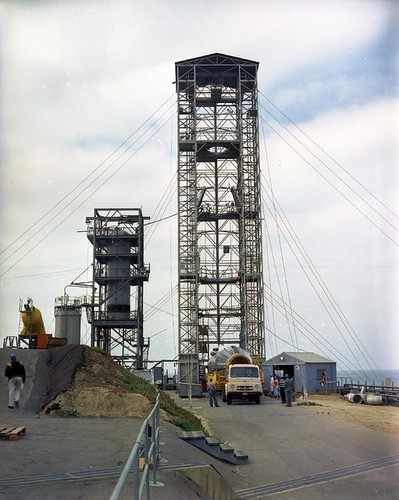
42 275
293 334
290 231
277 214
160 220
330 183
309 333
86 199
86 178
328 155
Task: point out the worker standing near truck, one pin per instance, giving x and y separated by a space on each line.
271 385
16 374
276 388
213 400
282 390
288 386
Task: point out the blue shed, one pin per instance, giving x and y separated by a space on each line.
309 370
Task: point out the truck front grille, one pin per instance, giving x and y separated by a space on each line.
245 388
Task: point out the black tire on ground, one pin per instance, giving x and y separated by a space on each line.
257 400
228 399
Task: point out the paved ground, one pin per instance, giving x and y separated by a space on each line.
75 458
290 446
294 453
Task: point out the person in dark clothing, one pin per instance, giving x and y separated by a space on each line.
212 393
288 386
16 374
282 390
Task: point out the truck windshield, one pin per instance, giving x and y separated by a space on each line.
244 371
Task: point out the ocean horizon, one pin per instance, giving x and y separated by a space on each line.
377 377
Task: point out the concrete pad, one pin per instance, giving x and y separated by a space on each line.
56 456
286 444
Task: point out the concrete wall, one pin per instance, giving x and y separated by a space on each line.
211 482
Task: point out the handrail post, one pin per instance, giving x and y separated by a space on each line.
155 449
136 472
147 458
151 450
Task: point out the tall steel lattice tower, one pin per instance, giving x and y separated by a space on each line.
219 210
116 313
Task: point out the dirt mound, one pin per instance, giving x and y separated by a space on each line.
83 381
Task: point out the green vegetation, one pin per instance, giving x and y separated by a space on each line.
179 416
67 412
308 403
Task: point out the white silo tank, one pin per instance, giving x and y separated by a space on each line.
68 314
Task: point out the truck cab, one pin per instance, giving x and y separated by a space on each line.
243 381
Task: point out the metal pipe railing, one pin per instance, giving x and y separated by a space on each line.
149 449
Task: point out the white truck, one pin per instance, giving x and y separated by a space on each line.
236 375
242 382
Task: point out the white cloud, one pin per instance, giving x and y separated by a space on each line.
80 77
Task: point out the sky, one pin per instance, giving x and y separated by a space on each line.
80 78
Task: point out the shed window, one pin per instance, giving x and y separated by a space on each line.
322 375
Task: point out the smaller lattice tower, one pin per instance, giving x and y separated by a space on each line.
116 312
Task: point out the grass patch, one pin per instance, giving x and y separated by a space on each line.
67 412
308 403
179 416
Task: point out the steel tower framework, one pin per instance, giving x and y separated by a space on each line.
119 273
219 209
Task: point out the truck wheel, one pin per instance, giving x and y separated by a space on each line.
257 400
228 399
223 396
